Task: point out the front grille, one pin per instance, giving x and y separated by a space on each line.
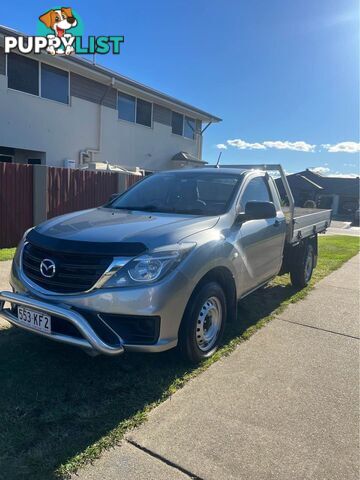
74 273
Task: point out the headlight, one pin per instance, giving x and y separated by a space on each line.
150 267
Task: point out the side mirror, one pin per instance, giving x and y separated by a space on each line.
259 210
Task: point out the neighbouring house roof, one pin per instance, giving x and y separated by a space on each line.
337 185
329 185
121 79
187 158
313 184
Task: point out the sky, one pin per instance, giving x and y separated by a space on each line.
282 74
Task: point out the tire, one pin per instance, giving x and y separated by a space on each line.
301 272
203 323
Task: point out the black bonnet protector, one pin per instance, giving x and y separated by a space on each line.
118 249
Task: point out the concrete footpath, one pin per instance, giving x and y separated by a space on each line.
284 405
5 268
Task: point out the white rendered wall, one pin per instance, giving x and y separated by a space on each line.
62 131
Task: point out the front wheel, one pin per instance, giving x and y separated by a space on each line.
203 323
301 272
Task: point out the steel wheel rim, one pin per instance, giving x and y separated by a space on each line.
208 324
308 266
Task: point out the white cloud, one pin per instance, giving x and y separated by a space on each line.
343 175
299 146
320 170
276 174
343 147
242 145
326 172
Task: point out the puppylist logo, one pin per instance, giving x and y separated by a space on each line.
60 32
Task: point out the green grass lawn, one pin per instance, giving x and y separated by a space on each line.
6 253
60 408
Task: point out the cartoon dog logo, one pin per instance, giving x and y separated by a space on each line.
59 21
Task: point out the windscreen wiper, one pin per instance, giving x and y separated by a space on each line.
143 208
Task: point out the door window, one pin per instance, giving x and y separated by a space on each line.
256 190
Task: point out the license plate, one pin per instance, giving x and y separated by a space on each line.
35 320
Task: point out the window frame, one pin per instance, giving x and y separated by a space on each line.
135 122
184 117
39 95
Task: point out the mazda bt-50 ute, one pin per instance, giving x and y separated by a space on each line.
162 265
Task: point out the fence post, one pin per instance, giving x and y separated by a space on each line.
40 193
122 183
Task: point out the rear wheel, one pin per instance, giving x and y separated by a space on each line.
301 272
203 323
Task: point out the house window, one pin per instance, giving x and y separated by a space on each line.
134 109
23 74
143 112
34 161
126 107
177 123
184 126
6 158
54 83
189 128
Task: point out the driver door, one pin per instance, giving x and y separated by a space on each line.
261 241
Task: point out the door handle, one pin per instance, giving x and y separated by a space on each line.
276 223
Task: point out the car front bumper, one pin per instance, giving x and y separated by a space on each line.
90 339
166 300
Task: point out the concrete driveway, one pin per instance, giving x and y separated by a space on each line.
342 228
284 405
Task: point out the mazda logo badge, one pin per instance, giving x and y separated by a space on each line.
47 268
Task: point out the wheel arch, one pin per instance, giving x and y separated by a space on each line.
293 254
224 277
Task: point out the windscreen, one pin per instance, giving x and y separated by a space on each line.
193 193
